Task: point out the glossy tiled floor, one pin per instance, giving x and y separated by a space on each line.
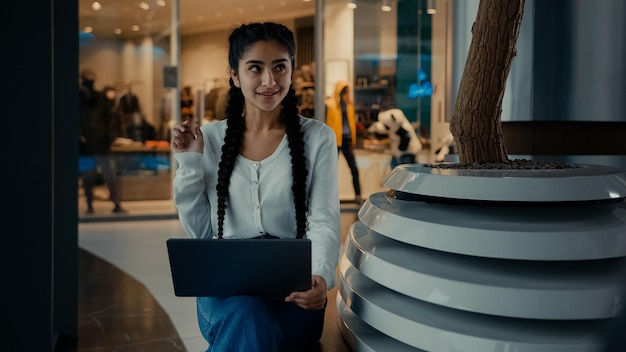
117 311
126 300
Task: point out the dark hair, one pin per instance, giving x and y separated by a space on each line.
240 40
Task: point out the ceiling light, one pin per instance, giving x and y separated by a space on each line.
88 29
386 5
117 31
431 7
144 6
134 28
96 6
161 3
351 4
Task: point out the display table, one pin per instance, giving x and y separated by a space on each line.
143 172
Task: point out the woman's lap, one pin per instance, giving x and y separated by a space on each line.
245 323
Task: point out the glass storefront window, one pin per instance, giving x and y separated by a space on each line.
394 54
170 58
126 48
170 65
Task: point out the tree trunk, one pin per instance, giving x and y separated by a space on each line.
476 123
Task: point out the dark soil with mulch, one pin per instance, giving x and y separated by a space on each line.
516 164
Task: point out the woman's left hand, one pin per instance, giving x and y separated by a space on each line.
312 299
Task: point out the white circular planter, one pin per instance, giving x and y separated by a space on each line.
485 260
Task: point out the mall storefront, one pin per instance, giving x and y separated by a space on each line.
162 68
407 55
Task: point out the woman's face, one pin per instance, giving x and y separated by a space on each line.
264 75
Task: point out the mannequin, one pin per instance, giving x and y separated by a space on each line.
140 130
96 115
341 117
403 140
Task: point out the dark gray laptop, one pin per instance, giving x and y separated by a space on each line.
228 267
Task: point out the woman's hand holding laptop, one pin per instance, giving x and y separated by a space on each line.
315 298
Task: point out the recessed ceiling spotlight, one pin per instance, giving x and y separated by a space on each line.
88 29
386 5
134 28
161 3
96 6
144 5
117 31
431 7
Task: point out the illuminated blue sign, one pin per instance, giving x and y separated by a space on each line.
418 90
421 90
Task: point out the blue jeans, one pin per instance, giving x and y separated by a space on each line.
255 324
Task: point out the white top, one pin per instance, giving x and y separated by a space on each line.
260 197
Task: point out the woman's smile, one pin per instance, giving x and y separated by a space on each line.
268 94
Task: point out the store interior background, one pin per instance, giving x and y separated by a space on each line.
383 54
360 45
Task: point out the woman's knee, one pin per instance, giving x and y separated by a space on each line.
236 310
238 321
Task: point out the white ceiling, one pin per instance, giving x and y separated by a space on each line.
195 15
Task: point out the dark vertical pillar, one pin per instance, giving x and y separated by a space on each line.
65 173
414 52
39 218
407 60
553 47
578 84
579 54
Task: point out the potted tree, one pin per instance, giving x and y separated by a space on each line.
476 123
489 253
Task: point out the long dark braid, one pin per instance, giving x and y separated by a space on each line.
232 145
240 40
290 119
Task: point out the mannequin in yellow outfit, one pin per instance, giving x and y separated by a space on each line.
340 116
